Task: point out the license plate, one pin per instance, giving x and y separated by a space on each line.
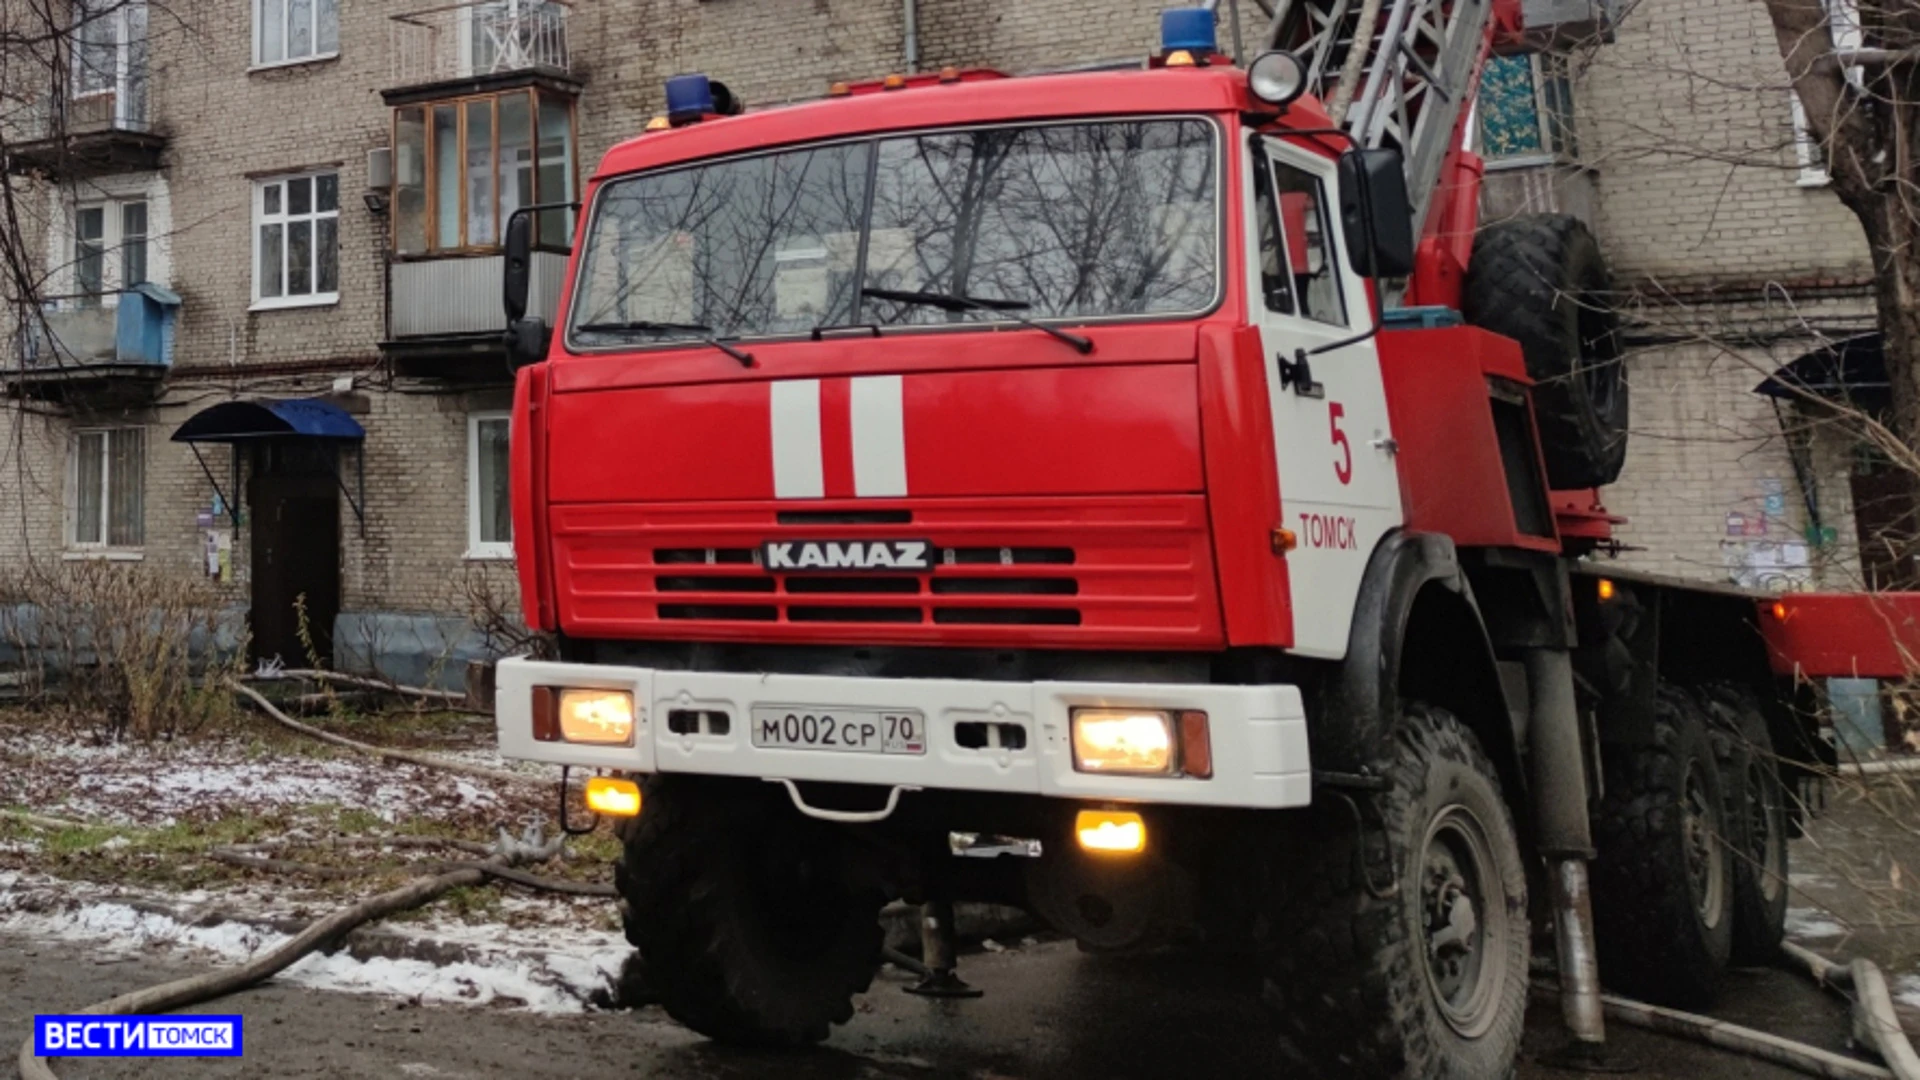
859 731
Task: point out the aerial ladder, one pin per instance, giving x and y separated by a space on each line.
1403 74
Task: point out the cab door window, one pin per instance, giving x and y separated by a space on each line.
1300 273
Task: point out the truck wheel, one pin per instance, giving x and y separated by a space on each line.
1398 944
1757 824
743 914
1540 280
1663 874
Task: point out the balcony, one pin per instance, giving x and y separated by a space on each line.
77 136
82 348
478 46
446 320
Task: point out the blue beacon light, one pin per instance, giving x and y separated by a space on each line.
1189 29
689 97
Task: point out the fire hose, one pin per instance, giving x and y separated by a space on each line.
502 863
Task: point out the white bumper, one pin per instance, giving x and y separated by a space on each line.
1259 733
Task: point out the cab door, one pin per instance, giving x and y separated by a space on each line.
1339 489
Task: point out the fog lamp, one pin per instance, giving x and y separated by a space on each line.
613 797
1138 741
1110 832
600 717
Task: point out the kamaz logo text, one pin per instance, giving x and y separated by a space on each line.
794 555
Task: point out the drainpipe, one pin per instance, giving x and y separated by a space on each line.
910 15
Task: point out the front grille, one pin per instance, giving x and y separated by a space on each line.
1104 571
906 594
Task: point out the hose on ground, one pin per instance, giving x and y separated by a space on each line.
1797 1056
1874 1022
329 931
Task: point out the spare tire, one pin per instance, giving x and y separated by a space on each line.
1540 280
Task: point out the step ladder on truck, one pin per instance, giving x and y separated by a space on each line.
1159 480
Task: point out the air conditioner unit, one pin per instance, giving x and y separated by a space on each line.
379 169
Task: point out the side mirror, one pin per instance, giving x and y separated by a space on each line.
527 341
517 277
1376 214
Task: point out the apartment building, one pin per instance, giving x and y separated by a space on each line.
268 348
1680 142
268 345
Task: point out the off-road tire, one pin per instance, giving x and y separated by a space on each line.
1540 280
1756 823
1662 875
1345 948
728 953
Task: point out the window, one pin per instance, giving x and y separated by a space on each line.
296 246
489 513
1058 221
108 65
289 31
1525 108
1843 17
1299 270
109 248
108 480
462 167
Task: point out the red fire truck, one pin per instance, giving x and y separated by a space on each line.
1158 467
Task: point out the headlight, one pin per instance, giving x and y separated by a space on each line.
602 717
1276 77
1123 741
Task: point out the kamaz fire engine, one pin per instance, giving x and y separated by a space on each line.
1165 469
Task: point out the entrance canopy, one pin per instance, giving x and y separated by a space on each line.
1851 371
236 422
245 421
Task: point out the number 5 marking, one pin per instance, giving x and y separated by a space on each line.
1342 468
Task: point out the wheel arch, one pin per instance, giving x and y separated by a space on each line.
1417 635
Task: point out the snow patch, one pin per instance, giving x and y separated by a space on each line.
1812 924
560 975
1906 990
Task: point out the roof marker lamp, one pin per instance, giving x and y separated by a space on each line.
1277 78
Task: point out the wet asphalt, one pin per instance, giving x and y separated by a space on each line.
1049 1013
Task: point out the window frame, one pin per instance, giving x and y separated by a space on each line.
259 28
71 518
431 206
113 247
477 547
1843 22
1222 160
285 217
1559 141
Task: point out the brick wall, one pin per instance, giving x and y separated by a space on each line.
1686 123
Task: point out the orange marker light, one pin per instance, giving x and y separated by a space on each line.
1780 610
1606 588
1284 540
613 797
1110 832
839 89
894 82
949 74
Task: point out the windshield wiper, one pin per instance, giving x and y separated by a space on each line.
956 302
700 331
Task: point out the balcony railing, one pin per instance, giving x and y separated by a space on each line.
475 40
75 334
439 297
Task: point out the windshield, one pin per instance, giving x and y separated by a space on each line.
1068 221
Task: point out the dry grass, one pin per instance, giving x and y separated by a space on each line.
120 650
